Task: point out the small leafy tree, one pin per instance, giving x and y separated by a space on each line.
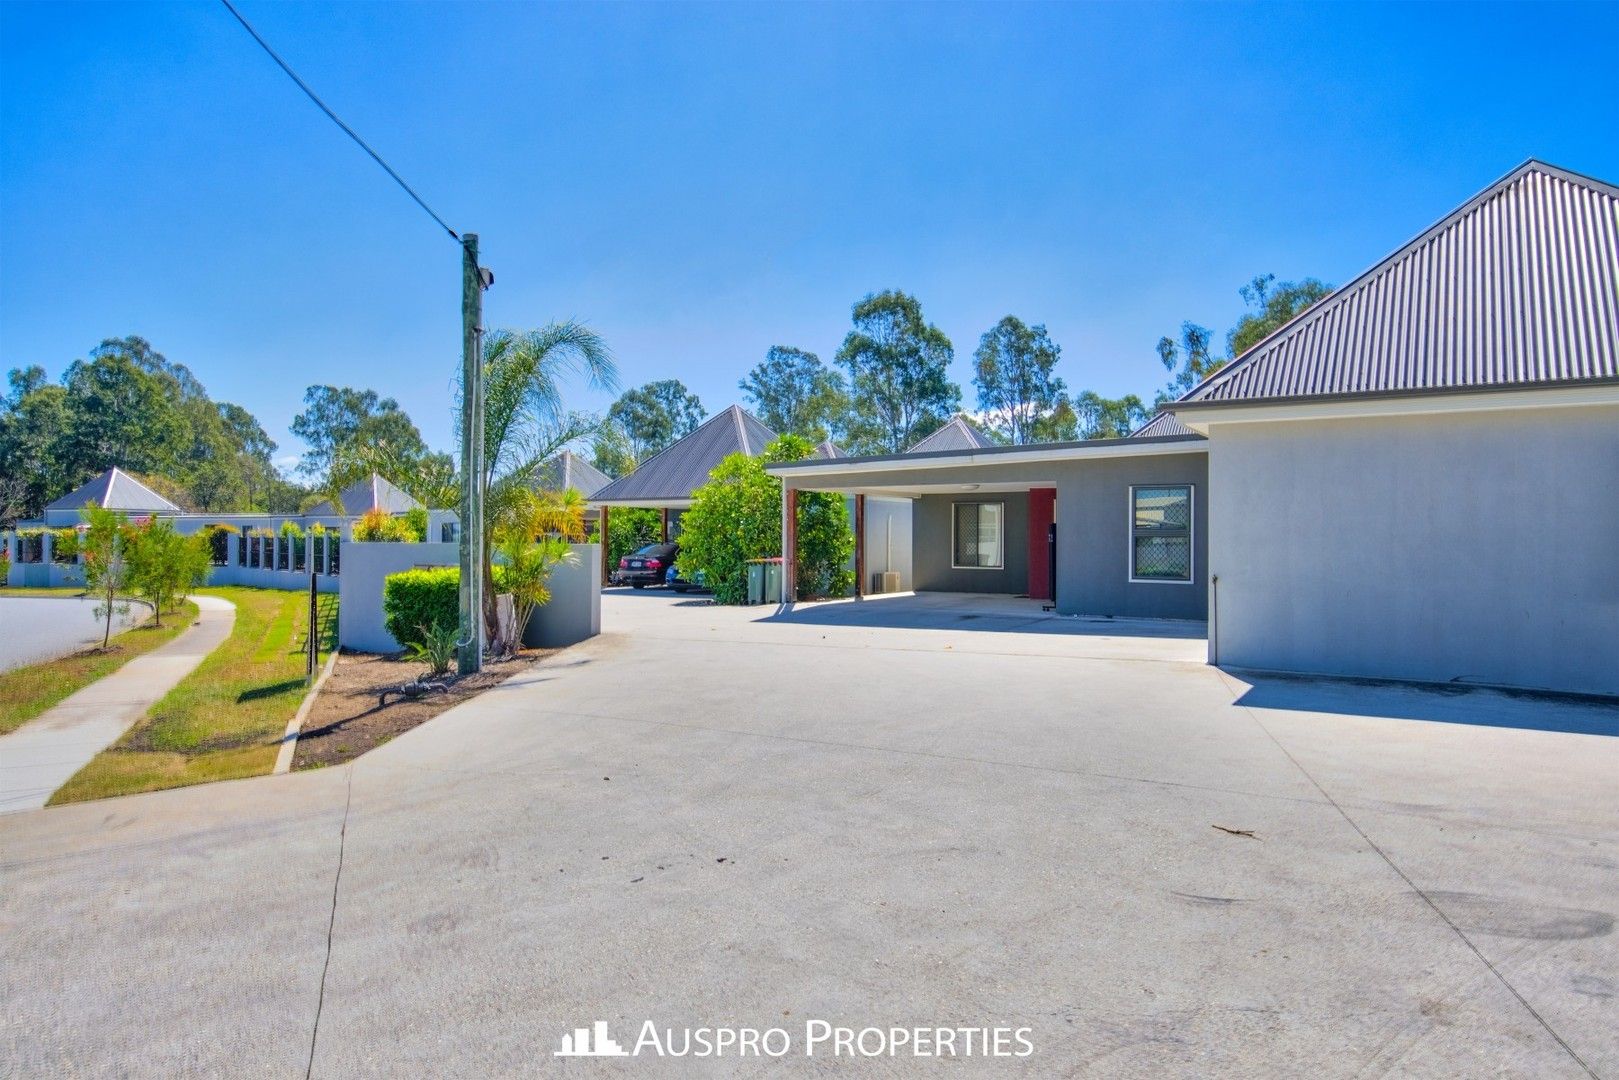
525 572
104 570
736 517
163 565
532 542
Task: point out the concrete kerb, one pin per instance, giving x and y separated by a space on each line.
289 741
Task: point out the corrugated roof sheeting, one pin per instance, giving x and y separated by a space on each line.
569 470
1519 286
114 489
675 472
956 434
1165 423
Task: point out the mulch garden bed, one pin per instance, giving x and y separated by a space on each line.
347 720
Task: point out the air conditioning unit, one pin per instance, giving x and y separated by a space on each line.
887 581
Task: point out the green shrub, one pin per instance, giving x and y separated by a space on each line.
416 521
374 526
414 599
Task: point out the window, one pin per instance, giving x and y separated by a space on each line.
977 534
1161 533
446 532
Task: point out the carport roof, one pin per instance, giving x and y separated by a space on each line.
672 474
1516 288
1190 443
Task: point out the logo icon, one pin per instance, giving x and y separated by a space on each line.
591 1042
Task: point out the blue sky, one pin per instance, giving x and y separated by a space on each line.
702 182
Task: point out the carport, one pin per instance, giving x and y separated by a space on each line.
998 520
666 480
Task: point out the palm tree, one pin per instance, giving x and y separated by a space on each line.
524 422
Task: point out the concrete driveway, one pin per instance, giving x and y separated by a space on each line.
716 817
39 628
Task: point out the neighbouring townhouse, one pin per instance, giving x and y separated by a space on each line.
1417 478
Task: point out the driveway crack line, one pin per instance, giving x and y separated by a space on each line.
1437 910
331 922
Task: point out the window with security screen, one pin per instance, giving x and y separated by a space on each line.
978 535
1161 533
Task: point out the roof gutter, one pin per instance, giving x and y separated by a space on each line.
1198 415
1110 448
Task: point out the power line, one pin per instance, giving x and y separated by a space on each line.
293 75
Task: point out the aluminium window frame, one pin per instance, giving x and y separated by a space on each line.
1000 546
1191 536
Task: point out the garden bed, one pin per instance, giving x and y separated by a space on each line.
346 719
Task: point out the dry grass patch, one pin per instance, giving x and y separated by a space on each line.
224 720
26 692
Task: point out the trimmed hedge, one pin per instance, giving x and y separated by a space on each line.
412 599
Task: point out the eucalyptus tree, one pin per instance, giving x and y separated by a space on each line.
899 373
654 416
795 393
1018 391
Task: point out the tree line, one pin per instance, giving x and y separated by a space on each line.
888 385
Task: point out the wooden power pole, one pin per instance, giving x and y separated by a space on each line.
474 279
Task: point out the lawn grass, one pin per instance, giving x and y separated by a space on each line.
224 720
26 692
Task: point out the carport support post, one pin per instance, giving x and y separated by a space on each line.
859 546
602 531
664 514
789 545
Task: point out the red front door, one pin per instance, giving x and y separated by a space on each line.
1042 514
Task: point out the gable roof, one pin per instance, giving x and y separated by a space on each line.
673 473
375 492
826 448
115 490
957 434
1164 423
569 470
1519 286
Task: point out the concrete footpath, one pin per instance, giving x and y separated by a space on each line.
44 753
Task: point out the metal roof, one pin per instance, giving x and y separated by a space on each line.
1517 287
115 490
1191 443
675 472
1165 423
826 448
569 470
957 434
375 492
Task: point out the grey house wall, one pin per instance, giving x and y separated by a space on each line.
1471 547
1094 538
1093 526
574 612
933 549
888 540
